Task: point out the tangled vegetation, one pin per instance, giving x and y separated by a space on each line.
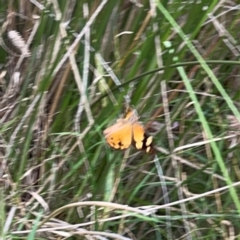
68 69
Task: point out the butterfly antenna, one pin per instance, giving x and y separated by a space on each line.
128 97
127 102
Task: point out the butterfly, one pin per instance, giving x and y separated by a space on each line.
127 131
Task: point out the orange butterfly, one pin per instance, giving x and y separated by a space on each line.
127 131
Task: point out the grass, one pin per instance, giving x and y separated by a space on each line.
176 63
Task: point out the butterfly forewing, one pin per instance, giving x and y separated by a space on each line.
141 140
138 135
148 145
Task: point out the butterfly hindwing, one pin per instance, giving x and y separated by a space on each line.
119 136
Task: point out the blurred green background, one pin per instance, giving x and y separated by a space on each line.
67 71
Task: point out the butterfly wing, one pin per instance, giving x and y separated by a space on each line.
141 140
119 136
126 131
113 128
138 135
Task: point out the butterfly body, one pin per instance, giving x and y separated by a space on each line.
127 131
